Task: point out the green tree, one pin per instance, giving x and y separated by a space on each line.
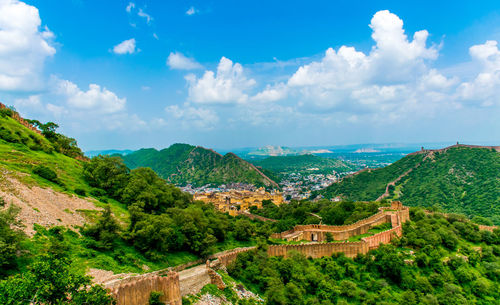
50 280
243 229
105 231
10 238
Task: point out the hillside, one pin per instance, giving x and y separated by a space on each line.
98 214
307 163
460 179
184 164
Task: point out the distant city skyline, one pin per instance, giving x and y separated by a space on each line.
227 75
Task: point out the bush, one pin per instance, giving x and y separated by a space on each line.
46 173
154 298
80 192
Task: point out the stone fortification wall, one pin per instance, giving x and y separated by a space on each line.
496 148
317 250
396 212
385 237
22 121
137 292
487 228
230 256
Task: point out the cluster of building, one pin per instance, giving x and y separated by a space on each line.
297 186
233 201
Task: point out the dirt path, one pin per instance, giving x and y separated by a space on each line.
43 206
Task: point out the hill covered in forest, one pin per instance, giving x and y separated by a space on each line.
188 164
460 179
307 163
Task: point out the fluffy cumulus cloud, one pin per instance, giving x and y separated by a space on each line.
24 46
125 47
391 73
178 61
96 108
485 87
225 86
271 93
189 116
394 81
95 99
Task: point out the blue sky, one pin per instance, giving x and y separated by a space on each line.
228 74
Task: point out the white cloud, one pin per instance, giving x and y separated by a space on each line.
130 7
95 99
226 86
271 93
485 88
189 116
24 46
191 11
393 74
177 61
143 14
125 47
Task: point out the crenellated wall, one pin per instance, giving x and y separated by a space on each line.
317 250
138 290
395 214
22 121
487 228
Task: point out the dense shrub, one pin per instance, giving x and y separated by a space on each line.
46 173
80 192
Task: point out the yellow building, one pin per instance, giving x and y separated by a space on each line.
235 200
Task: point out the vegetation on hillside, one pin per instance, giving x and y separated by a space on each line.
461 179
437 261
187 164
303 164
370 184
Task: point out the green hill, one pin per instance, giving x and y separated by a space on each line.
303 164
461 179
183 164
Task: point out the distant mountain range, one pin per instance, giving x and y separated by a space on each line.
462 179
93 153
307 163
187 164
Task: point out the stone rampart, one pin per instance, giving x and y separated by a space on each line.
22 121
317 250
487 228
138 291
228 257
382 238
395 214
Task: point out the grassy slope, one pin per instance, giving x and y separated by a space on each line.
461 180
369 185
300 163
182 163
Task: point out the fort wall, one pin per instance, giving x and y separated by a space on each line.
22 121
317 250
487 228
138 291
395 214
